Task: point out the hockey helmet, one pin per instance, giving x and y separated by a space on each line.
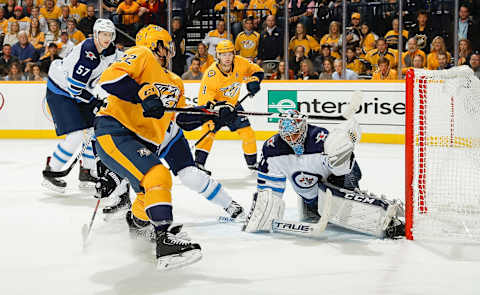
225 46
103 25
153 37
293 130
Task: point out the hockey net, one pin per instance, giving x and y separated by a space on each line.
442 153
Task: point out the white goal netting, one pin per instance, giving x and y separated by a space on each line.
444 155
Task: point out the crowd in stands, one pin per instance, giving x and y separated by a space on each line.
36 32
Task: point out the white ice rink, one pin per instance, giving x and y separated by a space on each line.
41 247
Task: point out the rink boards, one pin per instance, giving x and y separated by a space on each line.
24 113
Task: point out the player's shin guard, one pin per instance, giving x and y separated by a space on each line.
65 150
249 146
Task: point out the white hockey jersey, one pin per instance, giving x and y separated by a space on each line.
279 163
77 74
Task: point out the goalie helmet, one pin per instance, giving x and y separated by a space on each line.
293 130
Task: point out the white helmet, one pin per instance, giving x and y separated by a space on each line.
103 25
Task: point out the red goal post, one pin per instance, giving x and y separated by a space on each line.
442 155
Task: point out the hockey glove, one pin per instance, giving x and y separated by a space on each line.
226 114
253 87
151 103
107 184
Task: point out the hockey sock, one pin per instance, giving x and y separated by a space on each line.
201 156
88 159
65 150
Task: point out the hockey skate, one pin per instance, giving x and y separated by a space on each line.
235 211
87 180
119 202
54 184
395 230
140 229
174 251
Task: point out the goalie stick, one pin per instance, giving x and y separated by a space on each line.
313 230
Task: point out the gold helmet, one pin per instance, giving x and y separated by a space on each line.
153 37
225 46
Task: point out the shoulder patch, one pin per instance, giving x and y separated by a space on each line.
211 73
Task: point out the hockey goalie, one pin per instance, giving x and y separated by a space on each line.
321 167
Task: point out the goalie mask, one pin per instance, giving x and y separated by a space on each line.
293 130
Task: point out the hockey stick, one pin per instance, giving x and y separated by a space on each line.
63 173
313 230
86 230
215 129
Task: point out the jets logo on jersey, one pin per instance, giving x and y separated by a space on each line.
169 94
270 142
90 55
231 90
320 137
304 179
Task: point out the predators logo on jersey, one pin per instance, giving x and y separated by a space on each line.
219 86
248 44
169 94
231 90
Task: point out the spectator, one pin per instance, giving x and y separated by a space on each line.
50 56
418 62
178 36
53 34
236 15
302 12
153 11
7 58
475 63
324 54
77 10
205 59
384 71
3 22
306 41
43 21
27 7
333 37
412 51
382 50
129 10
76 36
65 46
392 36
11 37
109 7
18 17
437 46
215 36
422 31
368 38
338 75
23 50
467 29
464 51
354 34
443 63
279 74
269 5
247 41
14 73
36 37
36 74
296 59
194 73
9 8
120 46
353 63
271 41
86 24
327 72
63 19
50 11
306 71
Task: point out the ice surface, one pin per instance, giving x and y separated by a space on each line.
41 245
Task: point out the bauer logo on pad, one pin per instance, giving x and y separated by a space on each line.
280 101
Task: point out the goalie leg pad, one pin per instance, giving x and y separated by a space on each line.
360 211
265 208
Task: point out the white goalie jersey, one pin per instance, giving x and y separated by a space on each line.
279 163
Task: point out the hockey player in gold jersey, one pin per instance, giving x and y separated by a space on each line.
221 86
130 129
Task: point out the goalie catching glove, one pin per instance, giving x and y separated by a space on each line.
340 144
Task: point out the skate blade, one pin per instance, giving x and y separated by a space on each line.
87 187
177 261
48 185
